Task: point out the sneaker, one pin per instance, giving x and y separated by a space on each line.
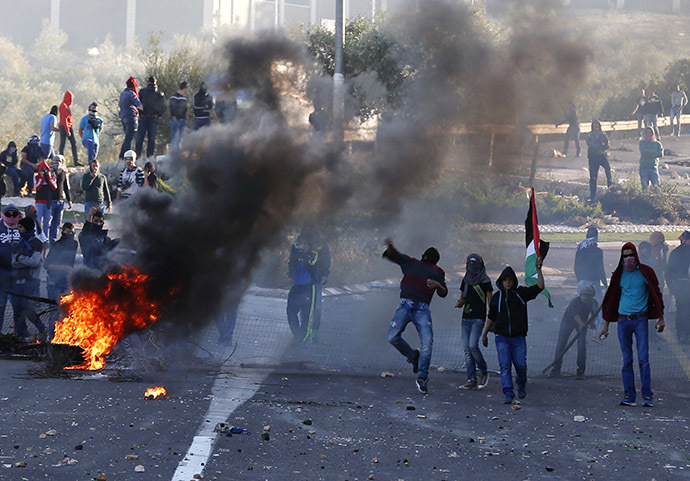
415 361
469 385
578 155
628 402
508 398
421 385
648 403
522 392
483 380
555 373
580 376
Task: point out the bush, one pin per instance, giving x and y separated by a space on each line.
631 203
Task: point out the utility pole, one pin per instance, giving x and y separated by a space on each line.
339 78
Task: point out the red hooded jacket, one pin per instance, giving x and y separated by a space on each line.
655 303
65 112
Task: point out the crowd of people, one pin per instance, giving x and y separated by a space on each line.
648 109
633 295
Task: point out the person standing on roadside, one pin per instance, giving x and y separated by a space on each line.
651 150
475 293
678 278
90 127
421 279
203 106
95 187
678 102
153 101
66 130
653 110
49 125
130 106
639 111
633 297
597 145
178 115
573 132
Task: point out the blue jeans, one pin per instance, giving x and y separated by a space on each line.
650 121
43 215
91 148
649 175
56 207
48 151
574 135
675 113
6 284
640 329
29 174
18 178
199 123
147 126
419 314
512 351
26 308
471 332
176 132
225 323
130 127
88 205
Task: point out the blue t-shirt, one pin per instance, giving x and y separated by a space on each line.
128 105
634 292
47 134
89 132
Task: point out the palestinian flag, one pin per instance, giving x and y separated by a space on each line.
535 247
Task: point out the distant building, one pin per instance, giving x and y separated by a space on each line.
88 22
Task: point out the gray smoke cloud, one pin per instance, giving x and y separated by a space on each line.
246 183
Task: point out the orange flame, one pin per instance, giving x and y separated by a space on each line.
97 318
154 392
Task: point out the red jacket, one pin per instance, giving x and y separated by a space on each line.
655 303
65 112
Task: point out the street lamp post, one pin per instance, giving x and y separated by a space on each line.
339 77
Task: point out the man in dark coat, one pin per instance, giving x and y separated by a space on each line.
678 280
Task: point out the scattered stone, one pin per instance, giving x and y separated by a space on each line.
250 467
267 428
20 464
198 476
79 447
637 430
265 436
322 456
453 455
441 369
42 436
550 469
411 408
387 374
100 477
579 418
421 416
398 401
516 407
51 432
307 422
312 432
371 476
132 457
375 460
284 378
139 468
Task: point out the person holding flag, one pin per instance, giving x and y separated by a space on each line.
507 317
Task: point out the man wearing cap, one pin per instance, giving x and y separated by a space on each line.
90 128
9 237
27 259
203 106
178 115
131 177
421 279
31 156
130 106
589 266
633 297
153 101
96 189
678 280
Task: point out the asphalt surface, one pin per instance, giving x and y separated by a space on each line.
330 413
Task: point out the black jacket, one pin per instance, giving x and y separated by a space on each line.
153 101
597 144
677 270
589 264
95 244
203 105
508 309
62 253
178 106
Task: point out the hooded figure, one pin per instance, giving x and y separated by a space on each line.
633 297
27 259
475 291
508 320
678 278
597 145
9 238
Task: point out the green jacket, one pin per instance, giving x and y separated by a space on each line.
650 152
96 189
